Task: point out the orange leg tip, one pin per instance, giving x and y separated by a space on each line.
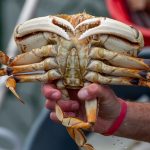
59 113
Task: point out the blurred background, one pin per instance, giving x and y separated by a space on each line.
28 127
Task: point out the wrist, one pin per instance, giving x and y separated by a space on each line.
115 125
108 113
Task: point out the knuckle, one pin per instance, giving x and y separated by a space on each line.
49 104
64 104
50 93
94 89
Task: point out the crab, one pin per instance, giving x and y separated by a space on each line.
76 50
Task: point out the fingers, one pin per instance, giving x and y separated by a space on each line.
66 105
109 106
53 96
94 90
68 108
66 114
50 92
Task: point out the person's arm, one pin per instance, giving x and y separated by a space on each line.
136 124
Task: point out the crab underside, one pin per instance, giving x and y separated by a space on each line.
76 50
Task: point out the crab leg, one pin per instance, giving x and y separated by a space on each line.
99 66
97 78
11 81
69 121
33 56
48 76
115 59
47 64
62 88
4 59
76 134
3 72
79 138
11 85
91 109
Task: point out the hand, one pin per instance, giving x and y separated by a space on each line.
138 5
109 106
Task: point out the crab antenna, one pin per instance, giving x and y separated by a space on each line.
11 85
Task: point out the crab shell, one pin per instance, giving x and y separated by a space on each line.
77 50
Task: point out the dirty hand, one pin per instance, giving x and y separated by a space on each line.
109 105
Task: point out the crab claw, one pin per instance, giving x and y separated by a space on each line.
108 26
62 22
11 85
44 24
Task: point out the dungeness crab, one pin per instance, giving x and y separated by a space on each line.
76 50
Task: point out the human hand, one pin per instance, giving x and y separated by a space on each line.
109 105
138 5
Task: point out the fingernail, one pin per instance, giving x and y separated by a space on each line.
55 95
83 94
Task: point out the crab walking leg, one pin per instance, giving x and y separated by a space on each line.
34 56
3 72
119 59
80 139
99 66
47 64
97 78
49 76
76 134
69 121
11 85
63 90
91 108
4 59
